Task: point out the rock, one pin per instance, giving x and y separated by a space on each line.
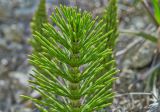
24 13
140 55
129 49
22 78
138 22
14 46
25 9
3 43
4 95
17 108
19 85
144 55
3 67
16 8
26 3
13 32
5 9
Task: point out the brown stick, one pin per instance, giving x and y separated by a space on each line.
146 6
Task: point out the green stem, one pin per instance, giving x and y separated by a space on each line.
74 89
75 85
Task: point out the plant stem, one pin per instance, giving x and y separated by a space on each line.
75 86
146 6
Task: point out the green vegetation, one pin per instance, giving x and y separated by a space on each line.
72 72
110 17
36 24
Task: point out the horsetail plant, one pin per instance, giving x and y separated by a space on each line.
36 24
67 79
110 17
39 17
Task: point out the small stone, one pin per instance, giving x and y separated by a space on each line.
13 32
24 13
144 55
140 55
138 22
21 77
4 61
5 9
15 46
17 108
25 9
3 43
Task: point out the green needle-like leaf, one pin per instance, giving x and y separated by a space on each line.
72 73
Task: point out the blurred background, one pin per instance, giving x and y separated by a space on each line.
137 52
